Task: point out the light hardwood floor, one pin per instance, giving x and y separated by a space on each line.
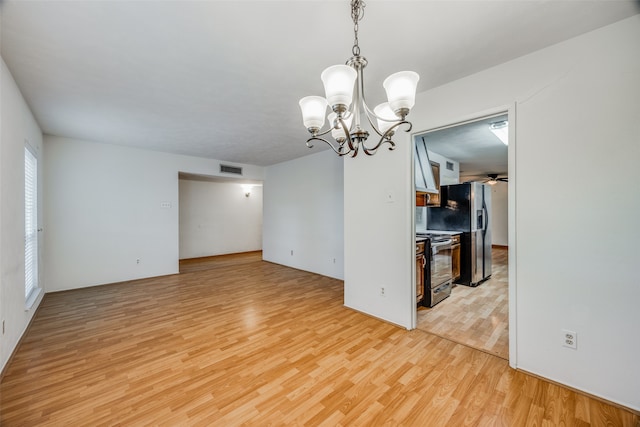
477 317
238 341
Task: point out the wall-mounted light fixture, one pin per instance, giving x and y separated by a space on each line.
247 190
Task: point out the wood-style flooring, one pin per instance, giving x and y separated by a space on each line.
246 342
477 317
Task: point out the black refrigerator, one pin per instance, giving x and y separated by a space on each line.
466 208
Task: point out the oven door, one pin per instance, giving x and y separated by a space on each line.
440 263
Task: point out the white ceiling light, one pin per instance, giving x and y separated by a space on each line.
344 90
501 130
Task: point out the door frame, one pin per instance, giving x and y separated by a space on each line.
511 111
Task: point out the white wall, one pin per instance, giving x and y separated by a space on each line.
217 218
499 214
103 211
579 101
582 285
447 177
379 253
17 124
303 213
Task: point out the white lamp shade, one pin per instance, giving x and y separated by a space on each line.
339 131
401 89
384 111
338 83
313 109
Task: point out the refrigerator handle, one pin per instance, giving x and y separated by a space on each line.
485 218
485 212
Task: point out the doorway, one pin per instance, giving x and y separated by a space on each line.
218 216
472 151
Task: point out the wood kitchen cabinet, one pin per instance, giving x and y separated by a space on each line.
427 176
430 199
420 276
422 198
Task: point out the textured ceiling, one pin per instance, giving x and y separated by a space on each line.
222 79
473 144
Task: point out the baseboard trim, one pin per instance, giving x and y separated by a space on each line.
24 334
204 258
397 325
582 392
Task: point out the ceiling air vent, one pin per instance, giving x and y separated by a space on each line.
231 169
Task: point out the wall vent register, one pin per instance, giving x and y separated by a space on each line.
231 169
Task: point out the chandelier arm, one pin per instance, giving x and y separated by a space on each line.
338 150
368 110
390 131
368 113
352 147
383 140
323 132
371 114
349 112
386 138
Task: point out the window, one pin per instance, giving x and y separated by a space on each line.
30 223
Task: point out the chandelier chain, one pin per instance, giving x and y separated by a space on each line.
357 12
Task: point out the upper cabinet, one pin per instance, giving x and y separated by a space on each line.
425 181
427 176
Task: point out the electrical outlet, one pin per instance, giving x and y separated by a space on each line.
291 252
569 339
138 261
381 292
334 260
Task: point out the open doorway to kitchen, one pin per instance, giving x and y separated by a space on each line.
464 228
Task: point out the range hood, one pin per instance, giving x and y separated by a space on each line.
425 181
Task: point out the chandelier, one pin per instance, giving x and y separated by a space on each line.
344 91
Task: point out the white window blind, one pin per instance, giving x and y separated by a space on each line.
30 223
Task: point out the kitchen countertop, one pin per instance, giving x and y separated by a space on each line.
450 233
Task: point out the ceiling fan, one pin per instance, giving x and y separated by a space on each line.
492 179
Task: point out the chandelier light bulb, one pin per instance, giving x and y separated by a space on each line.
338 83
384 112
401 90
313 109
